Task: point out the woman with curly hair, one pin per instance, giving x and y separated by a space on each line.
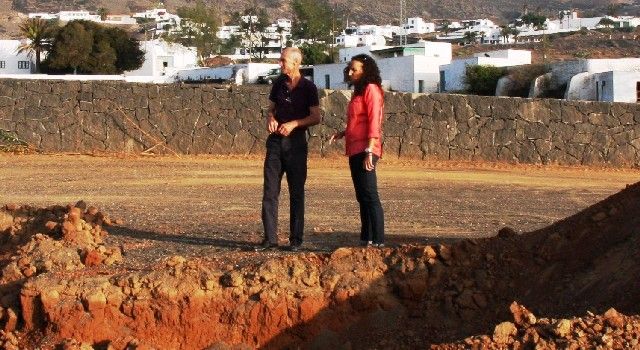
363 143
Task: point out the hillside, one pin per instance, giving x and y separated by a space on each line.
593 44
376 12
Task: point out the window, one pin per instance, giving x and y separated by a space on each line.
23 64
327 81
638 91
420 85
3 64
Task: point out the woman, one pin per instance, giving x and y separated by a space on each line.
363 141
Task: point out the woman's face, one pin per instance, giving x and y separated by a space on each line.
355 71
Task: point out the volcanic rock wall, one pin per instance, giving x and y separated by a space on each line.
62 116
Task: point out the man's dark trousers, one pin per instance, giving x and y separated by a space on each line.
285 155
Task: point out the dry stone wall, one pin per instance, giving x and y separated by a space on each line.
62 116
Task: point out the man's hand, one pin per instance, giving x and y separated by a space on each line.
286 128
335 137
272 124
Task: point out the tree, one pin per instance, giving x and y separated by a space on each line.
88 47
253 23
103 12
469 37
39 33
533 19
505 32
71 48
199 28
606 22
483 79
313 19
314 53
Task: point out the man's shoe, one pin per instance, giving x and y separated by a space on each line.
366 243
294 248
378 245
266 245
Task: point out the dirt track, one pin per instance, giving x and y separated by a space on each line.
210 207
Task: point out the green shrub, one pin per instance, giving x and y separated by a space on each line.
523 76
482 80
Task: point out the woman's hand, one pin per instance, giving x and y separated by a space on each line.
367 163
336 136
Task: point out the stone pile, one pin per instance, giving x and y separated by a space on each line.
611 330
35 241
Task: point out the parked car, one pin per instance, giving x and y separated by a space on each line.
270 77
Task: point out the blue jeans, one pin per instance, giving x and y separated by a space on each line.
366 186
285 155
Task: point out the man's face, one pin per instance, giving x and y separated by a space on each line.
287 64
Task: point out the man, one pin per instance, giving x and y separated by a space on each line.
293 107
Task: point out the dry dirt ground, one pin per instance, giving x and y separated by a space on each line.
178 270
209 207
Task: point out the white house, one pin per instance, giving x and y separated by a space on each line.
597 79
162 60
120 20
452 75
239 73
12 62
416 25
409 68
617 86
486 31
67 16
43 15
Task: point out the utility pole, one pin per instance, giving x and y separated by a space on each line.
403 36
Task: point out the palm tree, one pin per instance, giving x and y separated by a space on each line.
39 32
470 37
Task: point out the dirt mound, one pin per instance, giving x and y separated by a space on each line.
404 297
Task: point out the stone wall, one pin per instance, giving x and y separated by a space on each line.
62 116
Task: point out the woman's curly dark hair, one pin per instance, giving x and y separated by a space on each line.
371 74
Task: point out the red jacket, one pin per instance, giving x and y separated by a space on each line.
364 121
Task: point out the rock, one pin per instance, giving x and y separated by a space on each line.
96 301
613 318
6 221
507 232
232 279
521 315
562 328
503 332
341 253
445 252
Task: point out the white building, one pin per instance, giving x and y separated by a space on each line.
416 25
67 16
598 79
452 75
162 60
617 86
238 73
12 62
43 15
120 20
410 68
485 30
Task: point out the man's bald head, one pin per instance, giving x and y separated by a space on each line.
294 54
290 61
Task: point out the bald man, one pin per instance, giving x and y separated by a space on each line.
293 107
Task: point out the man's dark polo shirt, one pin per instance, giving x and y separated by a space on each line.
294 104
